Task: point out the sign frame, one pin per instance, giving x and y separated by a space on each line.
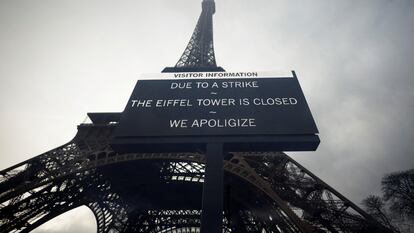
197 143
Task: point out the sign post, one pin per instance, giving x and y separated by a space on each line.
212 204
216 112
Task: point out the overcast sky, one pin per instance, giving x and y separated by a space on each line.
354 60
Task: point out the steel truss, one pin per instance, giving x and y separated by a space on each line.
161 192
200 50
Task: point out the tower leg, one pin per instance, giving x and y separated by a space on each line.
212 205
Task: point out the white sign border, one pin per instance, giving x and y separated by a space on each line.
216 75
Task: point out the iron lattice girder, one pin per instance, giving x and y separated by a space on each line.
200 49
262 186
46 202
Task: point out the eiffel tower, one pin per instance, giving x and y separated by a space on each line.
161 192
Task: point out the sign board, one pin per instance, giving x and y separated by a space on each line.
229 107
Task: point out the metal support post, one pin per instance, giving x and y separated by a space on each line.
212 205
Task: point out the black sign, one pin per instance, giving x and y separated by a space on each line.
216 108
